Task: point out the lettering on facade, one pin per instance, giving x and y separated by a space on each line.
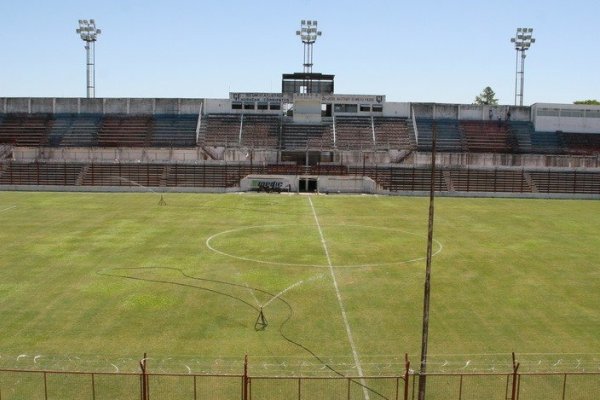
354 99
256 97
270 185
280 97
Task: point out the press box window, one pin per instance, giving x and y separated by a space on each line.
345 108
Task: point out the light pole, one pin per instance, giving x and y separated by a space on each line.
308 34
522 40
88 32
427 288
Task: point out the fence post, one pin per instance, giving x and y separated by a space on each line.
245 379
45 387
348 381
93 388
515 376
195 388
144 379
406 375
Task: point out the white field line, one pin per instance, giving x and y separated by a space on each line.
382 264
339 298
8 208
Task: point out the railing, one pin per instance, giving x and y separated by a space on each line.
145 385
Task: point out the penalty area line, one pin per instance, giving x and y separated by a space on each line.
8 208
339 298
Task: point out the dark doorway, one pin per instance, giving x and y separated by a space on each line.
307 185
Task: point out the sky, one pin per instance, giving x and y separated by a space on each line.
411 51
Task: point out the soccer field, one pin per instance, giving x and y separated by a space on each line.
95 280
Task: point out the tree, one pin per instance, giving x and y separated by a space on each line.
588 102
487 97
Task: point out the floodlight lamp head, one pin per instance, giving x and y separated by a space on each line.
308 31
87 30
523 39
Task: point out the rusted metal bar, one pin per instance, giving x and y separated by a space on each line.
515 377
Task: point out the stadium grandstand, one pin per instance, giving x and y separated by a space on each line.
305 138
322 142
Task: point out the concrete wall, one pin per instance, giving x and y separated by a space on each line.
360 157
99 105
505 160
576 118
282 183
325 184
110 154
263 157
139 154
307 109
469 111
393 109
217 106
346 184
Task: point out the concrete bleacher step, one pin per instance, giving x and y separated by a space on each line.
448 179
530 182
26 129
303 136
175 131
222 130
81 175
164 175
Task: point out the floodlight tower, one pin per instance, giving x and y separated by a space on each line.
308 34
523 41
88 32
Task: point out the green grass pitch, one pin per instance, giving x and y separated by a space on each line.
111 276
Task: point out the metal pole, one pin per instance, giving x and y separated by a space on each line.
93 388
427 290
245 379
144 379
89 47
516 73
406 375
88 33
515 377
522 74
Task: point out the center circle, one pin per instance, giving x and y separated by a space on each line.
301 246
